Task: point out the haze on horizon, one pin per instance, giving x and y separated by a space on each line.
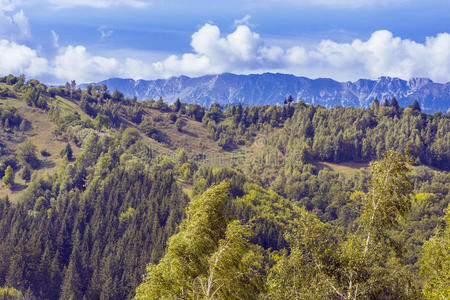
57 41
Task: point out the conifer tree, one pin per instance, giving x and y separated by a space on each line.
8 178
415 106
26 174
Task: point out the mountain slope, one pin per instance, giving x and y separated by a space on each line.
270 88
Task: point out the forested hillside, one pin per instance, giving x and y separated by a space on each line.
107 197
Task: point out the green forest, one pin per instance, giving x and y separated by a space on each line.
106 197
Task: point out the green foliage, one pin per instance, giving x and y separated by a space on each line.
389 197
130 136
67 152
299 274
27 155
151 131
435 262
90 229
34 96
195 111
178 106
127 215
269 212
352 265
26 174
209 258
7 293
173 117
8 178
186 171
179 124
338 134
10 118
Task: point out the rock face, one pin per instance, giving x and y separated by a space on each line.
270 88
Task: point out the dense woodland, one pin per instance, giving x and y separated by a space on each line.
125 213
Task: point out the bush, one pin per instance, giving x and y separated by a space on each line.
27 155
179 124
173 117
151 131
157 118
129 137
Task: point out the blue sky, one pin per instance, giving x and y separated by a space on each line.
91 40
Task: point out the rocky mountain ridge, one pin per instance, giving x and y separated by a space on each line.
272 88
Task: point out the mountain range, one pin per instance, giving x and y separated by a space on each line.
273 88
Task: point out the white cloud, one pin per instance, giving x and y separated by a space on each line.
76 63
98 3
104 32
244 21
14 27
55 38
244 51
382 54
9 5
18 59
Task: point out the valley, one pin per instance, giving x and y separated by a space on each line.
107 197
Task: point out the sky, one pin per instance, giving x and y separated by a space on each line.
91 40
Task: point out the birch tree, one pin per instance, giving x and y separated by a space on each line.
324 263
435 262
209 258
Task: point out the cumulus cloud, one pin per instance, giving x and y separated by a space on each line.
98 3
77 63
18 59
244 51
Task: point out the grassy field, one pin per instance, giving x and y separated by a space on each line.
41 134
193 138
347 169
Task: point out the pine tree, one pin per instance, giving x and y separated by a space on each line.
8 178
375 103
72 287
26 174
394 104
67 152
415 106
